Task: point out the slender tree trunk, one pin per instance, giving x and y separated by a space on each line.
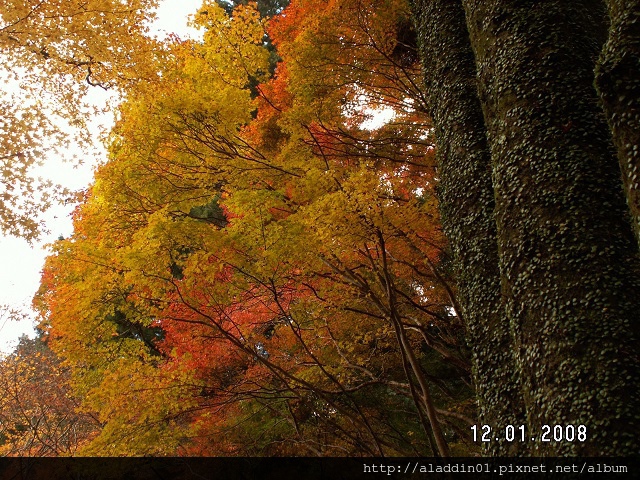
618 82
568 257
467 207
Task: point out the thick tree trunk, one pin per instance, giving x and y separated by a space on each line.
568 257
467 204
618 82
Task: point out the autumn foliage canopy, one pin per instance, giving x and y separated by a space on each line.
259 269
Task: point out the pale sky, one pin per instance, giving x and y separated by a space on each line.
21 264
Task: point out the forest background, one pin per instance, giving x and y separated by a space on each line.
259 268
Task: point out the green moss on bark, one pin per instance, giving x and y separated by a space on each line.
467 206
568 258
618 82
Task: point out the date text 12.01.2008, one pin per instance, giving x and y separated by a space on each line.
519 433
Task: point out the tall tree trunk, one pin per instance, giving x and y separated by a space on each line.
618 82
568 257
466 203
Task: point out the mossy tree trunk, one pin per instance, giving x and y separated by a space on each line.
618 82
466 203
567 254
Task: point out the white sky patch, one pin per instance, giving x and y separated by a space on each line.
378 117
22 263
363 105
172 18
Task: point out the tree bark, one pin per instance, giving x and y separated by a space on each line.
467 209
568 257
618 82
